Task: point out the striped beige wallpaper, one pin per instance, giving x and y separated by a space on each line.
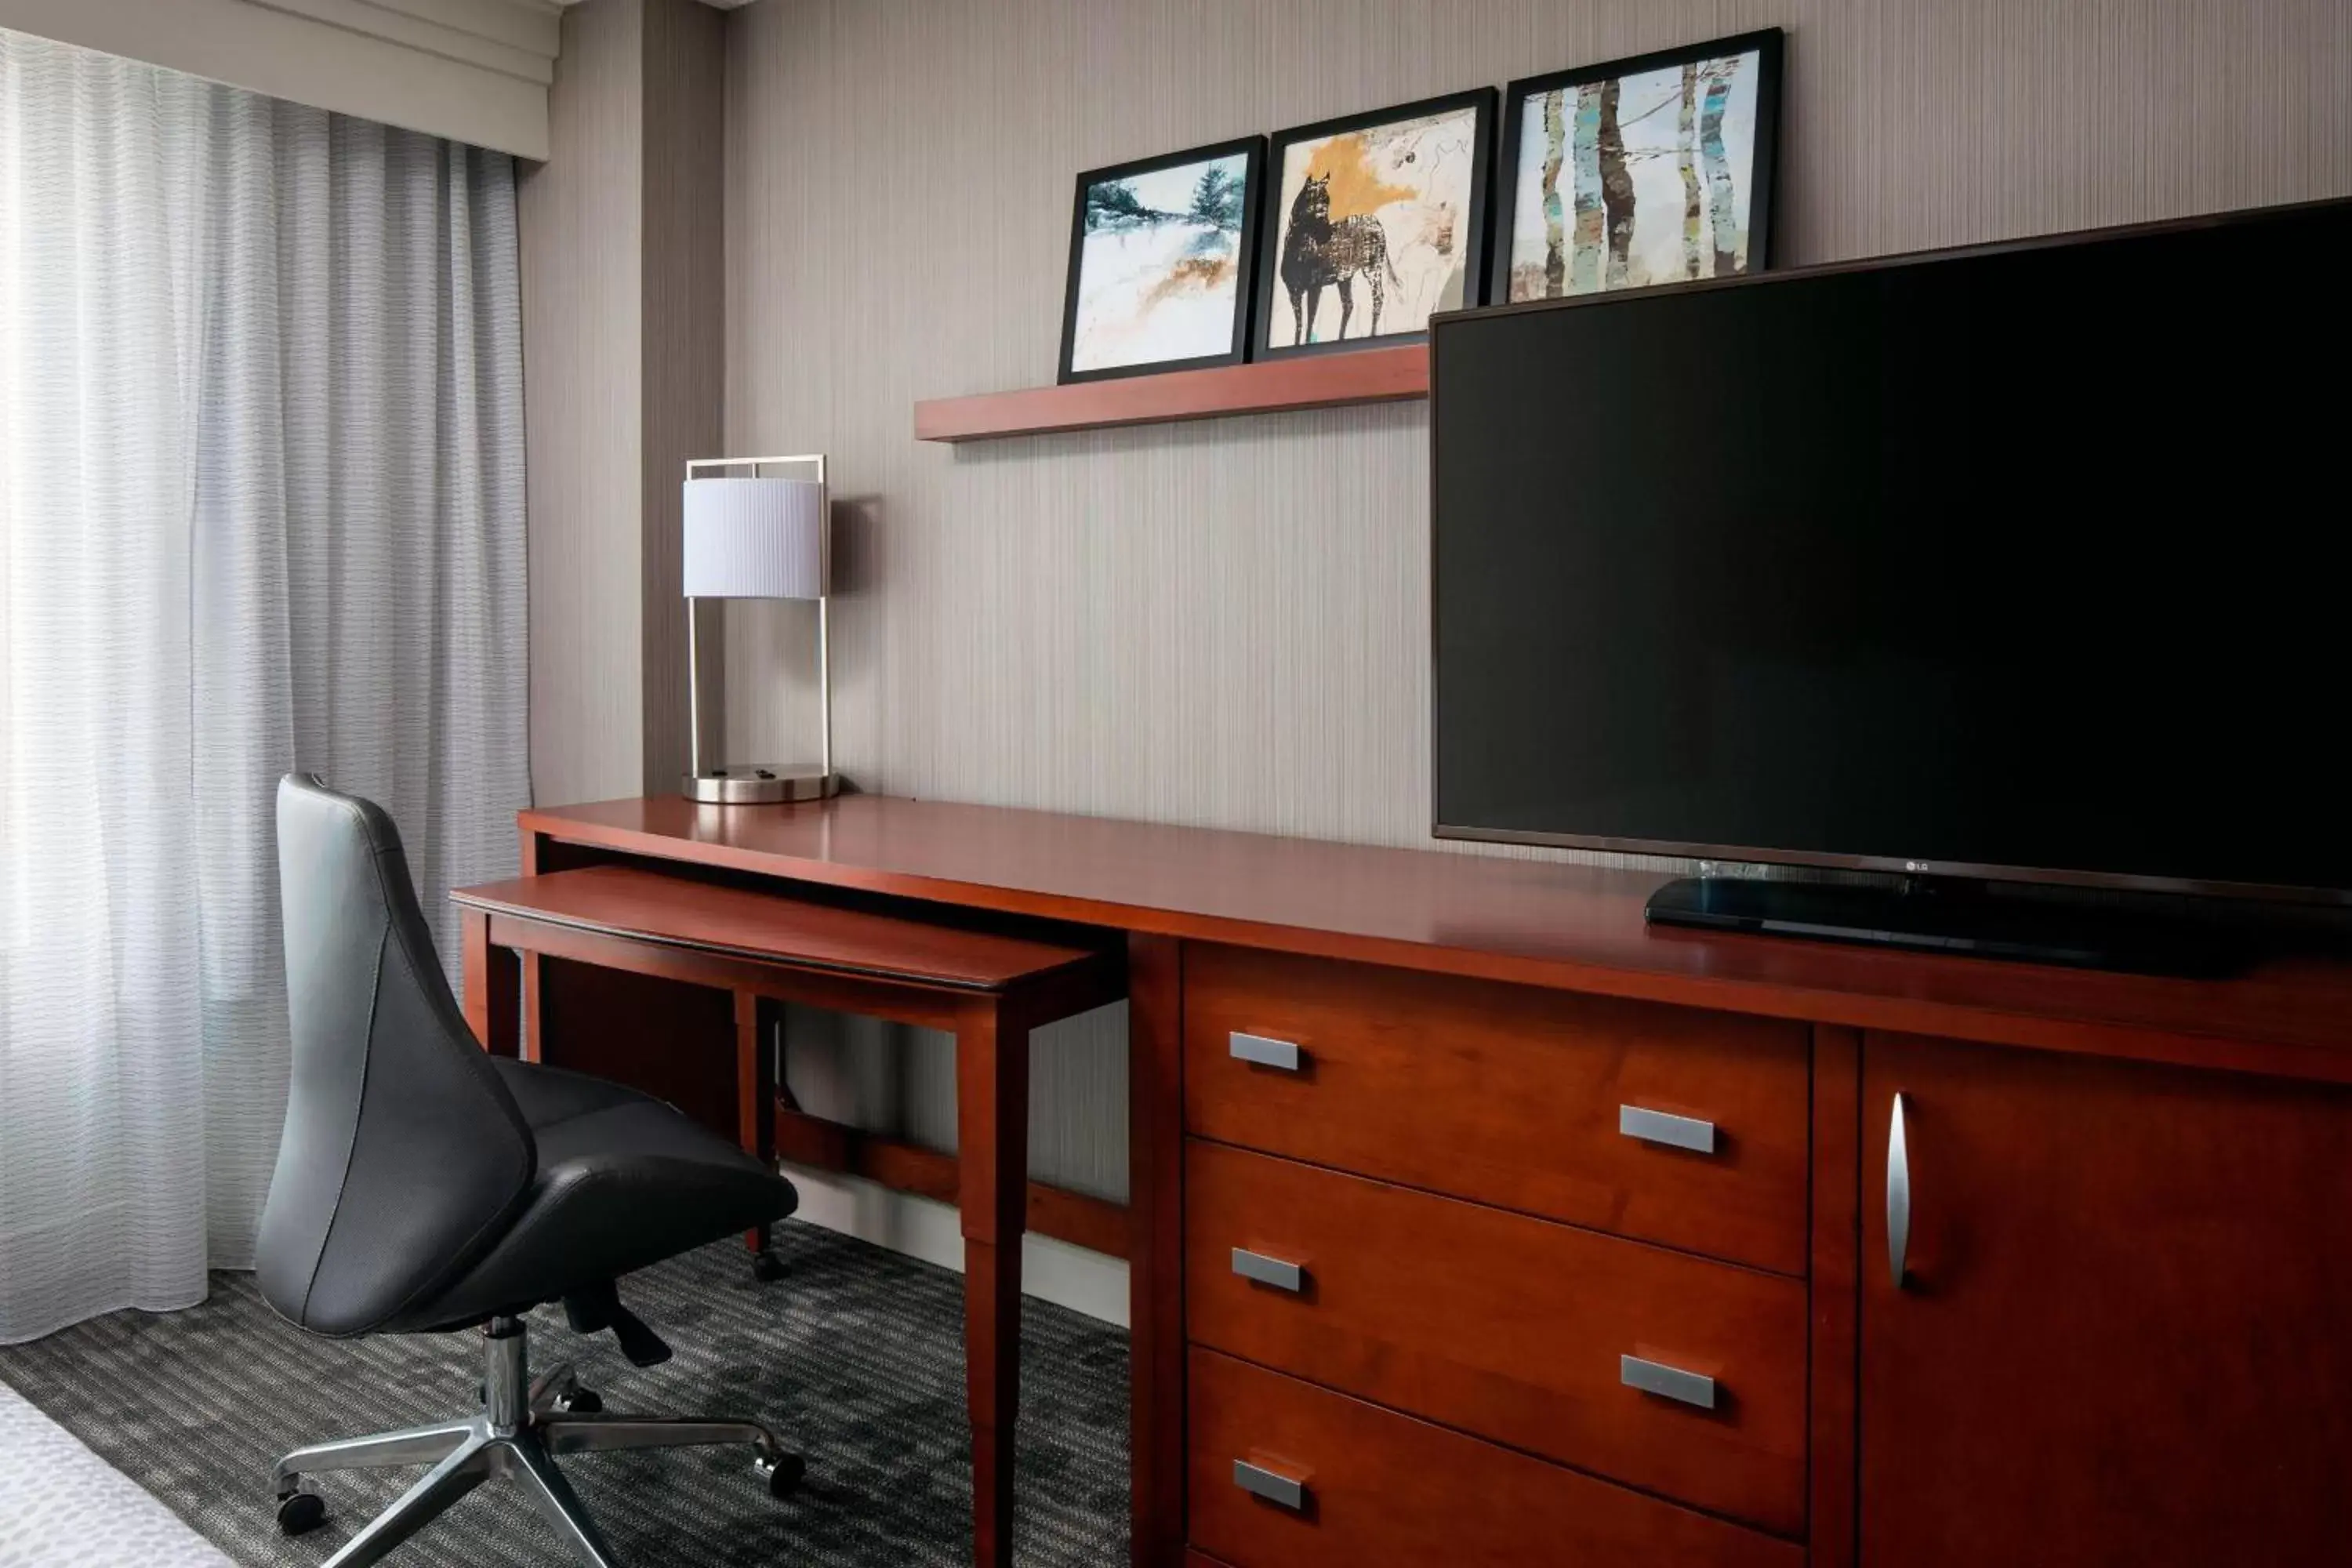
582 224
624 278
1226 623
682 347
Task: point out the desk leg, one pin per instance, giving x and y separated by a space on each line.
755 1111
1155 1205
538 855
533 988
493 980
992 1188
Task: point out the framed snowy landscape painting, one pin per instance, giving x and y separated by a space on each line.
1651 170
1161 256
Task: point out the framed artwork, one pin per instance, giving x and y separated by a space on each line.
1161 252
1373 224
1656 169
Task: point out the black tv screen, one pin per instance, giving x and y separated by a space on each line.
2023 562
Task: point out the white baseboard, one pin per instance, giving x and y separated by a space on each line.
1050 1270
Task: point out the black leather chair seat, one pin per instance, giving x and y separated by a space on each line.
423 1184
622 1179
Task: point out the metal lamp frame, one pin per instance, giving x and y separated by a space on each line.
755 783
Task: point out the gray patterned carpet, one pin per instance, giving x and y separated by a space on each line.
854 1357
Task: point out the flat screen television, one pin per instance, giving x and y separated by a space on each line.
2026 562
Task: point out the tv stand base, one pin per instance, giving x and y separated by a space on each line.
1950 916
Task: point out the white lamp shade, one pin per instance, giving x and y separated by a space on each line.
755 539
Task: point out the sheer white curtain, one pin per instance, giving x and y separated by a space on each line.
260 507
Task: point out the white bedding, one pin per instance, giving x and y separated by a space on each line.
61 1506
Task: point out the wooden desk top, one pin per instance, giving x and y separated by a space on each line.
773 928
1565 926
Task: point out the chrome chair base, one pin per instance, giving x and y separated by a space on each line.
519 1431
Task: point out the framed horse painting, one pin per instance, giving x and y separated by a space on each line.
1373 224
1161 253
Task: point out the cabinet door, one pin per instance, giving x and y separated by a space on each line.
2123 1332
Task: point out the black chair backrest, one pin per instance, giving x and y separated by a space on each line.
403 1157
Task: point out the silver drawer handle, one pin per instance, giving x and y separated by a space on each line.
1275 1271
1658 1126
1265 1051
1898 1194
1666 1382
1259 1482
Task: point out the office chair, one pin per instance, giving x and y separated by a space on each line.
424 1186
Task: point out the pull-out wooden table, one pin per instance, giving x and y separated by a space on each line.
989 989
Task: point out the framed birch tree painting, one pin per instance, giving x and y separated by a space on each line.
1656 169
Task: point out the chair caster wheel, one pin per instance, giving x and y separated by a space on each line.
579 1402
783 1472
766 1267
300 1512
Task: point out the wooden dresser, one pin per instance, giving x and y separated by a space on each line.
1473 1223
1548 1227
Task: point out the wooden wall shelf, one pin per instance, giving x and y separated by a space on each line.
1311 381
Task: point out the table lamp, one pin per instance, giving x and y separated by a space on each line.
757 537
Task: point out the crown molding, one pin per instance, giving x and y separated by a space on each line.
471 70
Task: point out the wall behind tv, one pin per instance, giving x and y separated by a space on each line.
1227 623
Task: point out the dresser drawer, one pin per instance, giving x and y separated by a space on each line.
1557 1104
1506 1327
1375 1489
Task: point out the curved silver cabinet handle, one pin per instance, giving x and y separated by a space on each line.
1899 1195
